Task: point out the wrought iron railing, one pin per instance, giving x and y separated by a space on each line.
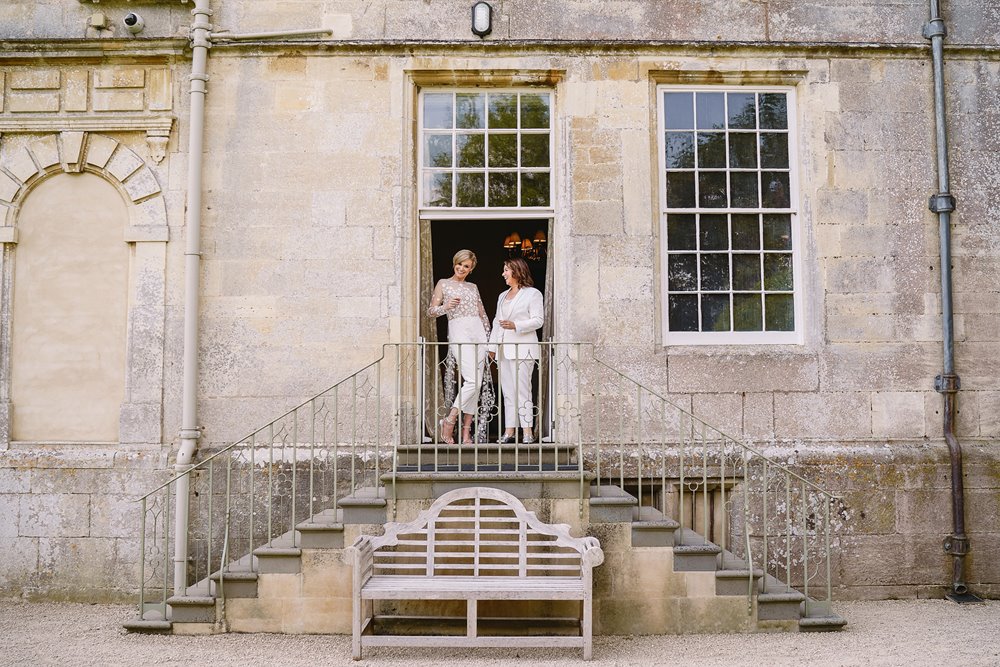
589 421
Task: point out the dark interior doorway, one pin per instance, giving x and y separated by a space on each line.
486 239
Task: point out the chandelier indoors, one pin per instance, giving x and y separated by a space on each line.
530 249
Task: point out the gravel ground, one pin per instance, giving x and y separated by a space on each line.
914 632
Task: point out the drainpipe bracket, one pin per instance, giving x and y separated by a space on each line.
947 383
935 28
956 545
941 203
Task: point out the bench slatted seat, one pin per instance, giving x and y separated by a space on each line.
472 544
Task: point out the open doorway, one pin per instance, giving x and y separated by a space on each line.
486 239
493 241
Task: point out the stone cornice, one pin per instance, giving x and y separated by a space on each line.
36 123
13 52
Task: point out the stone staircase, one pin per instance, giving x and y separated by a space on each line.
657 577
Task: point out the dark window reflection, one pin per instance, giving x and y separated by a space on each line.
746 272
712 189
747 312
714 232
680 189
715 271
744 193
683 312
778 231
682 273
535 189
742 111
680 231
680 150
746 231
503 189
779 313
711 150
773 111
774 150
775 185
715 312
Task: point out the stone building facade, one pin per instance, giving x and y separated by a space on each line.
322 178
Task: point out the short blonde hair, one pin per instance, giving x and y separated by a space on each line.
463 255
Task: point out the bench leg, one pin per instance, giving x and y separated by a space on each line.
356 629
587 629
472 618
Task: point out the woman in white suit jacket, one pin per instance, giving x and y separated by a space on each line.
514 337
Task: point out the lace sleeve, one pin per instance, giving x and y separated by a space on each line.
482 314
436 309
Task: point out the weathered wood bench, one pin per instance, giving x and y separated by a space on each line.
473 544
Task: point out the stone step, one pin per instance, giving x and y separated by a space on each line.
829 623
650 528
780 606
198 608
325 530
366 505
524 485
694 553
235 583
611 504
737 582
148 627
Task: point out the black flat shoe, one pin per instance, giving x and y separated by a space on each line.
506 439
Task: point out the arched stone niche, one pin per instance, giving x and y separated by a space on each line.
141 415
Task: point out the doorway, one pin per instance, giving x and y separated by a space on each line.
493 240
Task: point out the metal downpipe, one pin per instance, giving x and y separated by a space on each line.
190 431
948 383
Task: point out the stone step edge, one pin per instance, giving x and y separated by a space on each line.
149 627
277 552
191 601
738 574
697 549
792 596
319 526
820 623
238 575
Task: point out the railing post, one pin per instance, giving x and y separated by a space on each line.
295 467
142 558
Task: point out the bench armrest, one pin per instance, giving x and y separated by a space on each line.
362 557
592 554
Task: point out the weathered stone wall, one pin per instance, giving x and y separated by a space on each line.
309 241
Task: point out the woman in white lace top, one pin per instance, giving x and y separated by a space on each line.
467 323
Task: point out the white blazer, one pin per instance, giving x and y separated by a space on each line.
527 311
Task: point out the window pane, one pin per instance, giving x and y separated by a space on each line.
742 111
715 271
778 232
470 190
778 272
746 272
711 111
469 110
471 151
773 111
715 312
535 150
779 313
683 312
743 150
678 111
711 150
714 232
437 189
534 110
774 150
437 110
680 150
437 150
535 189
746 232
680 232
744 189
503 150
776 189
682 273
712 189
503 110
503 189
747 313
680 189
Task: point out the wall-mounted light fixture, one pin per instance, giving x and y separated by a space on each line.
482 19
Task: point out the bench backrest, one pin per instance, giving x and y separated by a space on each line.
477 531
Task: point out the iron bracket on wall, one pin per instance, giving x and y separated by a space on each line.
941 203
947 383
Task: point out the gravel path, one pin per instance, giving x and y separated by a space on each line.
914 632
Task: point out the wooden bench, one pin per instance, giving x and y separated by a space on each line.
473 544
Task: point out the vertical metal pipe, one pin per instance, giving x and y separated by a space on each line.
190 431
948 383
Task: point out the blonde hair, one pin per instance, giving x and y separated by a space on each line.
463 255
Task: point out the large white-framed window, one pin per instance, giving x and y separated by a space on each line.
729 215
485 149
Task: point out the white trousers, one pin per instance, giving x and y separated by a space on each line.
469 358
515 383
